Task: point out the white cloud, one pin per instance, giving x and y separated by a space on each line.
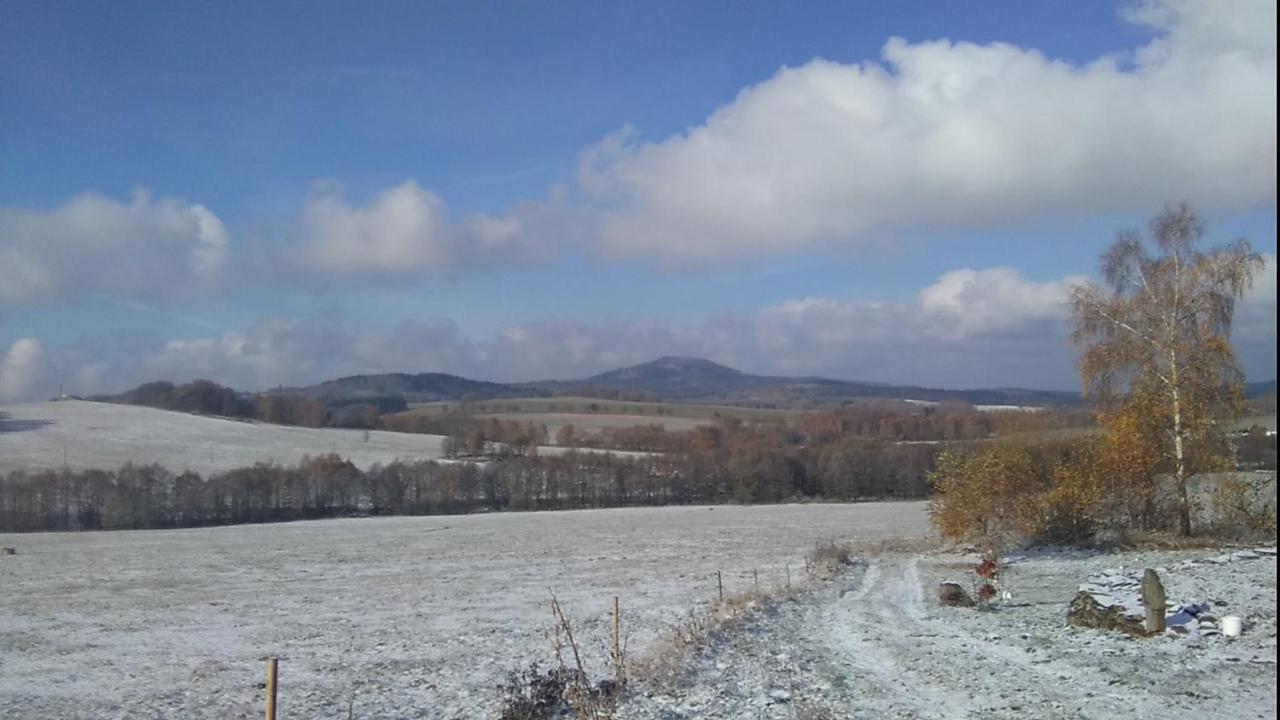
403 229
26 372
969 301
157 250
407 230
956 134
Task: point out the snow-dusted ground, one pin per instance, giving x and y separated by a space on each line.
403 617
88 435
874 644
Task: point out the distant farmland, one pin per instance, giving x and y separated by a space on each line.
89 435
593 414
594 423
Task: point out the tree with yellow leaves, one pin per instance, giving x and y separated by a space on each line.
1156 355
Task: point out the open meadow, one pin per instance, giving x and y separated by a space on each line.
90 435
401 617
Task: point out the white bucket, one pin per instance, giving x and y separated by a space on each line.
1231 626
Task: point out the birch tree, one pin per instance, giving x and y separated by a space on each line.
1155 342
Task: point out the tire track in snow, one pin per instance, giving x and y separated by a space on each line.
921 665
854 631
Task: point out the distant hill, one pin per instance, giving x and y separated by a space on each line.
680 379
676 379
1256 390
420 387
696 379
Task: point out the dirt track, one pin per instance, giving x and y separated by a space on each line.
873 644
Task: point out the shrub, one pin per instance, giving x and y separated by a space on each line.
992 495
533 694
1243 510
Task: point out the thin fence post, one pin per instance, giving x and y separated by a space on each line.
617 642
720 586
273 670
755 574
788 577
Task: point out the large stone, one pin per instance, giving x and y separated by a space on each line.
1087 612
952 595
1153 601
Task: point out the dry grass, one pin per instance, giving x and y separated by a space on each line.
566 689
663 664
665 661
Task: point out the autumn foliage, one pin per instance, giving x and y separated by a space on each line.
1158 364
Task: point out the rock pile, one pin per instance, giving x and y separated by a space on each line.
1112 600
1087 611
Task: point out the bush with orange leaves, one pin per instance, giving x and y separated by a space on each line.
1007 492
993 495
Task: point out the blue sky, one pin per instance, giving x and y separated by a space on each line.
522 190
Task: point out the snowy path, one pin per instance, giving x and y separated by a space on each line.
921 664
873 644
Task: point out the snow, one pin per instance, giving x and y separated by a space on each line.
403 617
875 644
89 435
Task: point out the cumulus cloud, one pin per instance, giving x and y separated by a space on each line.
406 229
955 134
153 249
970 301
26 372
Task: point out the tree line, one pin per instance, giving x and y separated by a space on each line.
743 465
206 397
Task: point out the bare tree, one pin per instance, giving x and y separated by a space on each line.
1155 339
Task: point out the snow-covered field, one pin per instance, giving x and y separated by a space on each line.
87 435
402 617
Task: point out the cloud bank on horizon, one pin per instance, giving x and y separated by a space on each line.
936 135
991 326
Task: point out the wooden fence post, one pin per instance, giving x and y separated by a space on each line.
273 670
755 574
720 586
618 672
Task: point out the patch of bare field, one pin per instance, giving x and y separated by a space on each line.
594 423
